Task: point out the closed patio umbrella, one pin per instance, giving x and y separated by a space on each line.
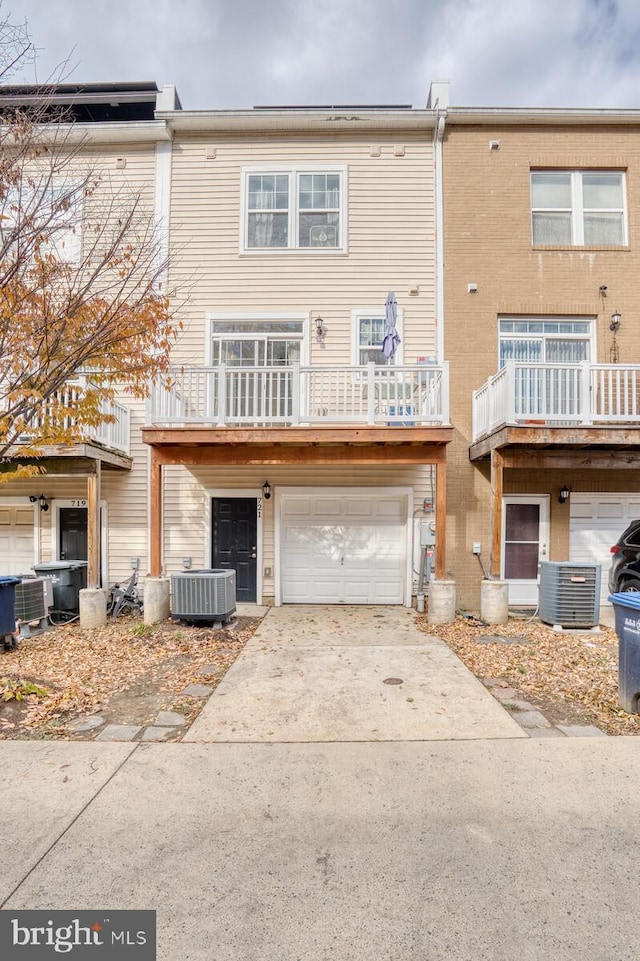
391 339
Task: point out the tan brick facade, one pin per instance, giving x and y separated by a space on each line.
488 242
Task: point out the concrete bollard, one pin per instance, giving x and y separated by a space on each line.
93 607
494 602
442 602
156 599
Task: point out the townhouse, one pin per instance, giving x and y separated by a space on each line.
287 444
542 254
90 502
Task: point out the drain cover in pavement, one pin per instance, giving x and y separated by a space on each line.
393 680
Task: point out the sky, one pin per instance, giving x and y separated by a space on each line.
227 54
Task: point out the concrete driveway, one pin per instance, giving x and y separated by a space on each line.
315 673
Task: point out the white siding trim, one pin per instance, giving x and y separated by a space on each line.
237 492
164 153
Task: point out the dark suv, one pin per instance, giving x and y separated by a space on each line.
624 574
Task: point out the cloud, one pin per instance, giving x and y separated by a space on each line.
237 53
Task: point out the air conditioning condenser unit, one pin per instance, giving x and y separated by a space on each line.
205 595
569 594
31 603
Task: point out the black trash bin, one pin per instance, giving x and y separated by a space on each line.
8 609
627 610
69 578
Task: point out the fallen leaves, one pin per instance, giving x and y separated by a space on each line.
571 675
77 671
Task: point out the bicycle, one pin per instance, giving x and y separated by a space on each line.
124 598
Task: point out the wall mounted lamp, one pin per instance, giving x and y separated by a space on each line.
615 321
266 490
42 498
320 329
564 494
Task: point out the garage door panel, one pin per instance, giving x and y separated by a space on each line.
597 521
16 539
343 548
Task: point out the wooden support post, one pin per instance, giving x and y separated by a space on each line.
441 520
93 528
155 515
497 489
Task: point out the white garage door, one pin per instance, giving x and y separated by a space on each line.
597 521
339 548
16 540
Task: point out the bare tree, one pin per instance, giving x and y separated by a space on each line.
81 273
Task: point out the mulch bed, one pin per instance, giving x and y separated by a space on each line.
111 670
570 676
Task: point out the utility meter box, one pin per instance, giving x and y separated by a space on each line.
427 532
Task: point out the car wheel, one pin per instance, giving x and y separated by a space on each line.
630 587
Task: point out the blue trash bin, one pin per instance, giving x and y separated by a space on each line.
626 607
8 609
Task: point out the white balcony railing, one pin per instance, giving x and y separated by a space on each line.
271 396
580 395
113 432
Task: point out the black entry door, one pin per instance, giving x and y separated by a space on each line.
235 541
73 533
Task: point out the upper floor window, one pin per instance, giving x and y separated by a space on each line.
542 341
294 209
369 327
578 208
255 341
46 218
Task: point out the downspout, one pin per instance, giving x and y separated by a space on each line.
439 208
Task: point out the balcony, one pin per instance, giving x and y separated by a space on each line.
557 395
371 395
110 437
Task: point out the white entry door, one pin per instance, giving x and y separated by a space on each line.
525 536
343 548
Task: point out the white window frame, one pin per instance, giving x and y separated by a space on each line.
577 210
374 313
591 336
65 242
294 173
220 317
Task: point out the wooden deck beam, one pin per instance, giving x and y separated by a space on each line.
296 436
93 528
497 488
566 439
155 516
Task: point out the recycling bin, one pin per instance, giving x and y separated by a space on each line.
626 607
7 606
69 578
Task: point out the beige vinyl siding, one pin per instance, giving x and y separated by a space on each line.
389 234
186 502
127 496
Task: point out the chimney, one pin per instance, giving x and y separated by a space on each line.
438 98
